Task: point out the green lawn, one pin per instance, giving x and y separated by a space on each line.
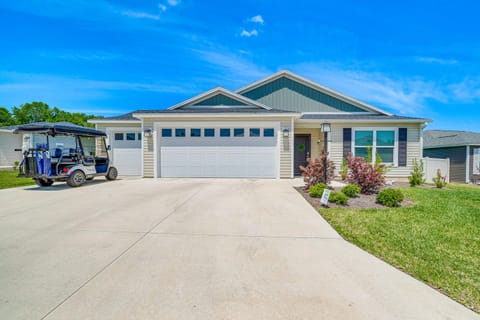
436 241
8 179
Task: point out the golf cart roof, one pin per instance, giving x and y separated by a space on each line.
58 128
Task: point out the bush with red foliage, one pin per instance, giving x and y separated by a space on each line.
368 177
314 172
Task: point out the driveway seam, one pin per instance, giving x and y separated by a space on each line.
243 236
120 255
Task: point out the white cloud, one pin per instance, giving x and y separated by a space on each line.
257 19
162 7
467 91
436 60
140 15
174 3
249 34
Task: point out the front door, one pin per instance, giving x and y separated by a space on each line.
301 152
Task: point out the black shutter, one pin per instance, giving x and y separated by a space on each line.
402 147
347 141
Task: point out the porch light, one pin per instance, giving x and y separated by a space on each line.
326 127
147 132
286 132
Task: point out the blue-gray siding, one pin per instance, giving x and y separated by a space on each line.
219 100
286 94
457 157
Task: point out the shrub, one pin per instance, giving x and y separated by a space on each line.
440 181
416 178
368 177
390 197
314 172
338 198
316 190
344 169
351 190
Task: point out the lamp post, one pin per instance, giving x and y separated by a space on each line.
325 128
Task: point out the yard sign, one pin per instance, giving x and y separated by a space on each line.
325 196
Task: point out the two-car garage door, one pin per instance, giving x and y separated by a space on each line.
230 151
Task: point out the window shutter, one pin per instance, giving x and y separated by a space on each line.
347 141
402 147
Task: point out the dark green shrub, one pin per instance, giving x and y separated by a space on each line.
390 197
416 178
351 190
338 198
316 190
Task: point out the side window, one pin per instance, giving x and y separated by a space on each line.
180 132
118 136
254 132
225 132
166 132
268 132
130 136
238 132
139 137
195 132
209 132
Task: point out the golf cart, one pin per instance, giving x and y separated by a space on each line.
64 152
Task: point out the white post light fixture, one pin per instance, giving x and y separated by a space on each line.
326 127
147 132
286 132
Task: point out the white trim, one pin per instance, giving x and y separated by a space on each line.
292 150
215 115
219 90
155 151
455 146
313 85
362 120
143 141
374 142
113 121
364 113
467 165
278 151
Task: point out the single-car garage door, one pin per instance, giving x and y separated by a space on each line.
126 152
221 151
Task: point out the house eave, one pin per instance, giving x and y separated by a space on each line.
218 115
113 121
361 121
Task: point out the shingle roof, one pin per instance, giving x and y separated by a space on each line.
365 117
445 138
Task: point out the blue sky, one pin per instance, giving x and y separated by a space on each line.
415 58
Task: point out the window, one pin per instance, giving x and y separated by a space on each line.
130 136
238 132
209 132
224 132
118 136
195 132
268 132
254 132
166 132
180 132
375 141
139 136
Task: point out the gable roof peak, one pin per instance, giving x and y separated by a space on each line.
309 83
216 91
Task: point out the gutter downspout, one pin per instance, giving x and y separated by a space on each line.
467 164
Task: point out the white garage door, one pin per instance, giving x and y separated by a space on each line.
228 151
126 152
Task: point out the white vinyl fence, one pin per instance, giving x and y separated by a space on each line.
431 165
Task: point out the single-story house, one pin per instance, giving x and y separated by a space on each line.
263 130
461 147
8 143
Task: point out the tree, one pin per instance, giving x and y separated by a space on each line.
6 118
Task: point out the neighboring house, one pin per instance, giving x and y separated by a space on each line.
8 143
264 130
461 147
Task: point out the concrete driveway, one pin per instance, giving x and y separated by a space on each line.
192 249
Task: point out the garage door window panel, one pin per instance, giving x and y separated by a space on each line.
166 132
209 132
118 136
130 136
180 132
195 132
268 132
254 132
225 132
238 132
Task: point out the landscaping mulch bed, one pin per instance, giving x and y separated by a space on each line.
361 202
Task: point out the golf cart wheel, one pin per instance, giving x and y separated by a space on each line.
76 179
44 183
112 173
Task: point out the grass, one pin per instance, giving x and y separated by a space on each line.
8 179
436 241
